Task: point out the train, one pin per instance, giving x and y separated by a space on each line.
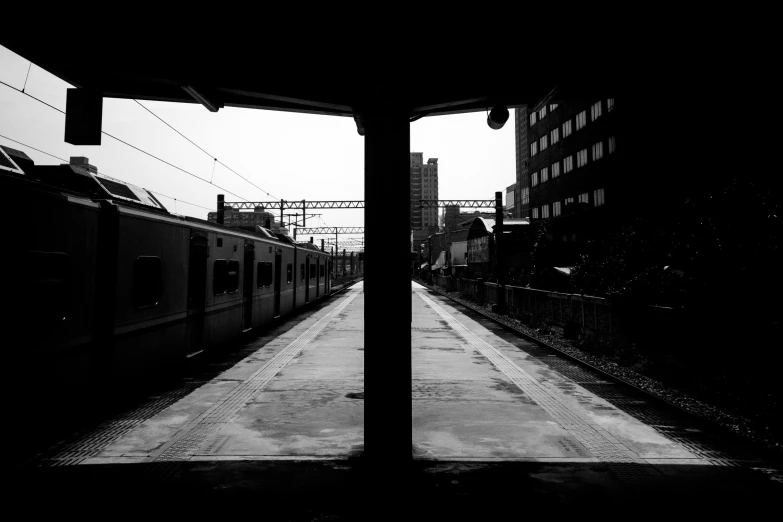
108 291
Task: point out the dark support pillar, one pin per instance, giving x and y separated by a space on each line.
311 240
344 262
500 307
281 212
221 209
322 246
83 115
353 270
387 289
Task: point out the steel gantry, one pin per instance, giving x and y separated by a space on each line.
292 204
331 230
467 203
303 204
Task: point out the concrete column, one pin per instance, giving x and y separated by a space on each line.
387 287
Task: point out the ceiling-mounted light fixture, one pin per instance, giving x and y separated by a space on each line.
498 117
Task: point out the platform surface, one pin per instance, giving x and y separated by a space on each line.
489 412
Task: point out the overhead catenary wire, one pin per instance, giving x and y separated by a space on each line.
204 151
28 75
102 173
132 146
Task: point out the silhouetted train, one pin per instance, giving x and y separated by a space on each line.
105 286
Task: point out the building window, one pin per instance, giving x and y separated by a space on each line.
525 196
598 197
534 179
289 273
567 202
147 282
567 129
609 104
595 111
544 211
232 277
612 146
555 209
555 135
532 118
583 198
544 174
219 273
581 120
542 112
544 141
535 213
568 164
598 150
552 106
534 148
581 158
555 169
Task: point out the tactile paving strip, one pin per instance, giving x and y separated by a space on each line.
618 459
192 436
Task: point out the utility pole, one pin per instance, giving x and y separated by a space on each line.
500 307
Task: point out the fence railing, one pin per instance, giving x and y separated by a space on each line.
593 314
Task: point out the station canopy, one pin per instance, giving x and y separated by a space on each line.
285 63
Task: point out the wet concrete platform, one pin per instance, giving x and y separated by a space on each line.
495 430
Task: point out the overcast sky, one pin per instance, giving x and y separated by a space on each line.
289 155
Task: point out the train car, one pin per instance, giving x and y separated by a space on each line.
112 292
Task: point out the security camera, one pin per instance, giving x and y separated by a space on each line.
498 117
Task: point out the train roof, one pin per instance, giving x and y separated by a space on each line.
10 160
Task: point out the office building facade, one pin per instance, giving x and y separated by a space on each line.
572 168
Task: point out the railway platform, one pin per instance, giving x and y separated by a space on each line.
500 426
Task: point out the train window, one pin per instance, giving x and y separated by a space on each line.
259 275
269 273
301 267
219 275
312 271
50 273
321 270
147 282
289 276
232 279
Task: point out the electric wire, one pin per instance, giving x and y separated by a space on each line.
204 151
28 75
132 146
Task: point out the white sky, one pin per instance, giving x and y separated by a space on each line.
292 156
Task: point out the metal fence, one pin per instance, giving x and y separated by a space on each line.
593 314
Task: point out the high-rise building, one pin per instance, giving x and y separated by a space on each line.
451 217
508 207
424 185
572 167
522 189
